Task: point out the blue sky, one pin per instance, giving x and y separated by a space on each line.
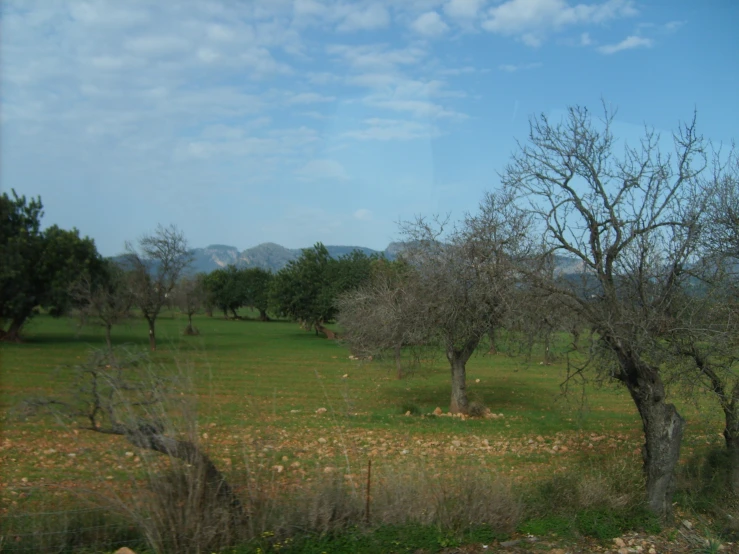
296 121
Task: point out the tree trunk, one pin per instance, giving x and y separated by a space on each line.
398 361
458 361
491 335
107 336
548 346
263 315
225 313
663 430
13 334
152 336
146 436
233 311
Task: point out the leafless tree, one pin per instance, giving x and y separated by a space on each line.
704 335
119 392
467 279
384 315
631 219
155 267
106 301
190 296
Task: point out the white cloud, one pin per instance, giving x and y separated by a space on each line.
363 214
418 108
374 57
393 129
463 9
512 68
628 43
319 170
156 45
430 24
309 98
372 17
533 20
585 39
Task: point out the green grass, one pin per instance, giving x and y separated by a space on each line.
258 386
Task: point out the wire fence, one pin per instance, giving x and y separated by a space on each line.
47 518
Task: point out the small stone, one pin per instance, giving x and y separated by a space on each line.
295 465
652 551
624 551
124 550
278 469
485 442
457 444
404 452
321 411
619 542
506 544
687 524
129 454
322 440
328 469
539 439
345 376
408 413
477 380
438 411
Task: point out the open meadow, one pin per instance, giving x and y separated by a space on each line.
285 414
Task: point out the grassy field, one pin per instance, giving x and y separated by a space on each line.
260 388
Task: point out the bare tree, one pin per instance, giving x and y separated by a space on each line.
104 301
631 220
190 296
120 393
704 334
467 279
384 315
155 267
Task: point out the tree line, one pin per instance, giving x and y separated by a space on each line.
653 235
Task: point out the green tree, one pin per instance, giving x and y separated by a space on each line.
257 282
227 289
307 289
37 267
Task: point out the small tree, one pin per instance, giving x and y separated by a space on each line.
155 267
631 221
104 301
257 282
227 289
189 296
385 314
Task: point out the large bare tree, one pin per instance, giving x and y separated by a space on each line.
467 280
155 267
630 215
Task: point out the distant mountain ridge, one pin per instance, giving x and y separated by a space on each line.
268 255
273 257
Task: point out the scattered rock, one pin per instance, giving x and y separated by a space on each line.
124 550
477 380
623 551
322 440
539 439
408 413
346 375
687 524
508 544
457 444
328 469
619 542
321 410
278 469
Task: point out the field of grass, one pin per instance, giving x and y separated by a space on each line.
260 388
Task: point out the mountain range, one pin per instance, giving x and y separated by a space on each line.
274 257
267 255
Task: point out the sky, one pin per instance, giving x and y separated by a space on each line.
297 121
